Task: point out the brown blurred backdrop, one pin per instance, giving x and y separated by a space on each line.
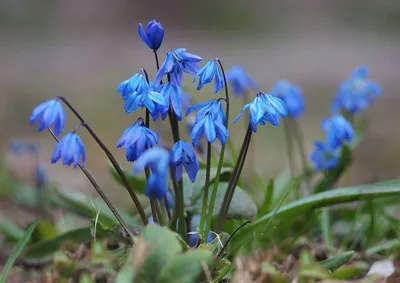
83 49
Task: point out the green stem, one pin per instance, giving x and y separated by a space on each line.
102 195
220 163
289 143
205 193
112 159
161 214
233 181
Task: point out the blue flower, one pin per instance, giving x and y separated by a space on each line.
157 159
207 73
137 84
240 80
195 223
154 34
291 95
182 154
175 97
136 139
210 120
49 114
356 93
176 62
338 130
324 157
137 92
264 108
71 150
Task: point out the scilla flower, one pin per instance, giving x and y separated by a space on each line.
182 155
157 159
208 73
210 120
356 93
137 84
71 150
49 114
291 95
173 95
136 139
153 36
264 108
338 130
176 62
240 80
137 92
324 157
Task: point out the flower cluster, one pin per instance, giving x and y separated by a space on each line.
354 95
163 96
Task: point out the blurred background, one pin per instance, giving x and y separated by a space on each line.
83 49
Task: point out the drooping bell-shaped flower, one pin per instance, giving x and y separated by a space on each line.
49 114
157 159
356 93
324 157
240 80
209 72
176 63
210 121
136 139
70 149
137 92
182 156
291 95
264 108
338 130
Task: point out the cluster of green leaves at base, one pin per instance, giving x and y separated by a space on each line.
158 256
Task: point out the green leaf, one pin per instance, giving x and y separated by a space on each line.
268 197
242 206
313 271
164 246
185 268
18 249
347 272
11 230
192 191
337 261
387 246
46 248
312 202
137 183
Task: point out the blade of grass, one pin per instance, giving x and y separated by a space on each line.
326 227
18 249
324 199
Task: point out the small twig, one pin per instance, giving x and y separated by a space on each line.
102 195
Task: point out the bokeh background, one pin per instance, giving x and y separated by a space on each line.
83 49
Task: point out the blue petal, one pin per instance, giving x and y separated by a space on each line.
241 112
142 35
197 132
209 129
